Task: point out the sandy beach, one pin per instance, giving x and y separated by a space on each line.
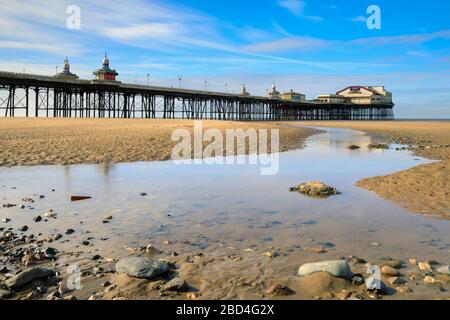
423 189
28 142
216 232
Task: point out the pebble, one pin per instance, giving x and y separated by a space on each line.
389 271
315 250
357 281
424 266
28 276
176 284
23 228
50 214
50 253
338 268
62 288
396 281
192 295
279 290
396 264
37 219
69 231
444 270
6 220
141 267
430 280
151 250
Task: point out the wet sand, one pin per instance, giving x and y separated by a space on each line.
29 142
423 189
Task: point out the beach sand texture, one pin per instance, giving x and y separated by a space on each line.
28 142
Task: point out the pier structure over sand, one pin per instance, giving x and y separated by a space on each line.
67 96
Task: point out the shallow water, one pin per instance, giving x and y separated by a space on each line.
217 207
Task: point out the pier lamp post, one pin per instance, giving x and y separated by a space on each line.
226 87
206 85
179 81
148 79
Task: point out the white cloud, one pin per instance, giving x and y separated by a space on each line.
145 30
286 44
359 19
297 7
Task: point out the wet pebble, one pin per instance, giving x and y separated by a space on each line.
389 271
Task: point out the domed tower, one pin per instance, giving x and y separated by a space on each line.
274 94
244 91
66 74
105 73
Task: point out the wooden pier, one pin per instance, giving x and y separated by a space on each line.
43 96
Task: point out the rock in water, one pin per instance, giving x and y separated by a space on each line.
338 268
141 267
316 189
27 276
444 270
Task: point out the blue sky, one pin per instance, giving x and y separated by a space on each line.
309 46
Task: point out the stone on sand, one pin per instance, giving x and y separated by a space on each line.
28 276
279 290
321 284
445 270
389 271
424 266
142 267
338 268
176 284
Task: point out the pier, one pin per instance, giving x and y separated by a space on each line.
46 96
